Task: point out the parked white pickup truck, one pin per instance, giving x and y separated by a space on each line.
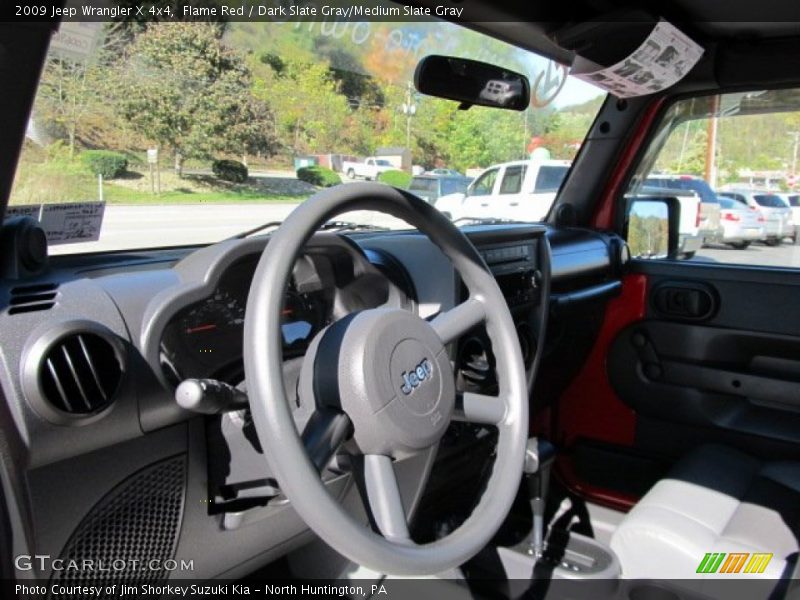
522 190
369 169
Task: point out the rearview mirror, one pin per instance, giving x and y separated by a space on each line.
472 82
652 227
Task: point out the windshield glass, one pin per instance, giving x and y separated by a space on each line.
184 133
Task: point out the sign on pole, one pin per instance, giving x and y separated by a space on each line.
152 161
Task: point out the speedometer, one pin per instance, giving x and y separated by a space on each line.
219 313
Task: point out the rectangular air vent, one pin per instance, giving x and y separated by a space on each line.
30 298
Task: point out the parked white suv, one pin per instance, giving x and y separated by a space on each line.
522 190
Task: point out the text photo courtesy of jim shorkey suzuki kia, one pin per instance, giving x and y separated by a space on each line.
192 590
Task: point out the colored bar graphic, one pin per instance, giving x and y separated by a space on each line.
734 562
758 563
713 562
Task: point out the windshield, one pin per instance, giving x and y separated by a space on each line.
166 133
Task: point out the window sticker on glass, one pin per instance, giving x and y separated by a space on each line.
72 222
663 59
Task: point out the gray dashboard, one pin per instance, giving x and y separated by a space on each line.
67 460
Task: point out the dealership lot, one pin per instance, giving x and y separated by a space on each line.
785 255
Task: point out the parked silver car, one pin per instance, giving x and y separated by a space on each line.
741 224
776 212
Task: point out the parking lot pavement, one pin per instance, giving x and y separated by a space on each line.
785 255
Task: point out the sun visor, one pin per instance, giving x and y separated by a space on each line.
637 56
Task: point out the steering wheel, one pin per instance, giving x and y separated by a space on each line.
383 376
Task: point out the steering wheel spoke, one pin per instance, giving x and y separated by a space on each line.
383 500
479 409
325 432
454 323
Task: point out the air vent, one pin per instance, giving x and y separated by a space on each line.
80 373
30 298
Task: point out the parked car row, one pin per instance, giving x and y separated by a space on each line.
774 210
524 191
735 216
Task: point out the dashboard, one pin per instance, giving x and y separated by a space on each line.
163 316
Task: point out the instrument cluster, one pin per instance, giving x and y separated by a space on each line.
205 338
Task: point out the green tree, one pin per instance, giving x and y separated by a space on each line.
181 87
69 98
311 114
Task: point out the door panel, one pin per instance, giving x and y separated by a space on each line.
689 354
717 356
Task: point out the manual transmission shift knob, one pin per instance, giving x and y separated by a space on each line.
531 464
538 453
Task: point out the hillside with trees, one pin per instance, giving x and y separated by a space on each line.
264 93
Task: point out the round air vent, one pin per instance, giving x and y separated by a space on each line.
73 374
80 374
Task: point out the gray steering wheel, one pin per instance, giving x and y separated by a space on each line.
384 376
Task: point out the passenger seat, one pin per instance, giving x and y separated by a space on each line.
716 499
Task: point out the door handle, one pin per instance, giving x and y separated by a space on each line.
514 203
484 204
685 300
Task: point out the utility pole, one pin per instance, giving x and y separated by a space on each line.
711 146
409 109
796 136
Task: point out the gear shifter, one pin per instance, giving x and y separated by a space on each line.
539 457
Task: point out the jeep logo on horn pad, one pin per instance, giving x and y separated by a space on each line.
416 377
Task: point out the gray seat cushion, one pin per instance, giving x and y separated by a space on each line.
715 500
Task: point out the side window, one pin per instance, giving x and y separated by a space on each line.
732 153
549 179
484 184
512 180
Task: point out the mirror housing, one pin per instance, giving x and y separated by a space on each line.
652 227
471 82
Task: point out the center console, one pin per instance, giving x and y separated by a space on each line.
518 265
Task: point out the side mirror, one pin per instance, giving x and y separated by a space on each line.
652 227
472 82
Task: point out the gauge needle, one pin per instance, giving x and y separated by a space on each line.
208 327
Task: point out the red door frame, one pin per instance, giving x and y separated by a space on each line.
590 408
